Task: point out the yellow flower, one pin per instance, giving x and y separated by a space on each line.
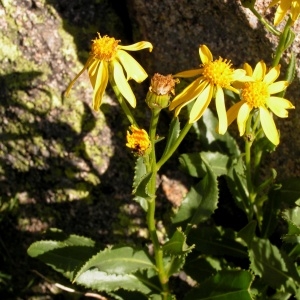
108 58
282 9
215 75
138 140
257 94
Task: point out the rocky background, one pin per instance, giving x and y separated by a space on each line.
62 165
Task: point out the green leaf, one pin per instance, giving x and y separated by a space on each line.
247 233
174 131
290 191
192 163
101 281
273 266
225 285
271 210
217 241
177 244
66 257
123 260
237 184
211 140
292 217
201 267
201 201
140 182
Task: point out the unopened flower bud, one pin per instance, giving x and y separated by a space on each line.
160 91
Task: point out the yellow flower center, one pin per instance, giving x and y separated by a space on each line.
138 141
218 72
255 93
104 48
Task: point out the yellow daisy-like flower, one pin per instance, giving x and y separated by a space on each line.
283 7
108 58
215 75
138 140
257 94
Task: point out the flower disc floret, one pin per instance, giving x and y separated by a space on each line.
104 48
255 94
218 72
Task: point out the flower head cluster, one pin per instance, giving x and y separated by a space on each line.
107 60
215 75
138 140
257 94
284 6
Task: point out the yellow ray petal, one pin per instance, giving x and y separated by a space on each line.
189 73
122 83
268 125
205 54
242 117
76 77
259 71
248 69
281 11
272 75
240 75
279 105
233 111
201 104
277 87
100 85
188 94
137 46
295 10
221 110
133 69
92 71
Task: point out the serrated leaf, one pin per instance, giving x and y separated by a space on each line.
177 244
211 140
123 260
292 217
192 163
101 281
225 285
290 191
201 201
173 264
65 257
237 184
214 241
140 181
271 210
174 130
273 266
247 233
201 267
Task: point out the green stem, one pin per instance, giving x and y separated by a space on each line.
122 102
282 43
264 22
181 136
158 252
248 144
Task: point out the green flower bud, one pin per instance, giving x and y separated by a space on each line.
160 91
